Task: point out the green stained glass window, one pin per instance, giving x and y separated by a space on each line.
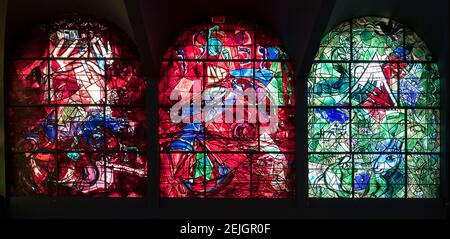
373 113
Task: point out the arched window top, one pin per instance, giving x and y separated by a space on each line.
372 39
373 113
226 159
76 112
229 39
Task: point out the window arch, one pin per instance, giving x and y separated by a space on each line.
238 159
373 113
76 112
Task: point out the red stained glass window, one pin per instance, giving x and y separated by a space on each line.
208 72
76 112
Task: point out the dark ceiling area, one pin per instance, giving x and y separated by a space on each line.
429 19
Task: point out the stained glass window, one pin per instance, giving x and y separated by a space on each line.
76 112
213 157
373 113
